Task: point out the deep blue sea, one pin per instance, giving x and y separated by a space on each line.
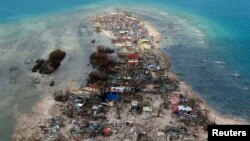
208 42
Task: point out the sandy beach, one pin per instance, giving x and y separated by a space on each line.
213 115
187 89
30 124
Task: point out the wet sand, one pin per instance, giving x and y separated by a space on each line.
45 109
34 38
23 42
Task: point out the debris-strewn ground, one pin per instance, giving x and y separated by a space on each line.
132 95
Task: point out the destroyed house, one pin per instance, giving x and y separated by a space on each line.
111 96
133 58
133 61
125 51
120 89
123 32
90 89
128 89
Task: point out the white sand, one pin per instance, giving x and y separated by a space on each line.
28 124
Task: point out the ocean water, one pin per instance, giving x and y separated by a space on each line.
207 42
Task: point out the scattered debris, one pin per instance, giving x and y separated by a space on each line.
129 96
36 80
61 96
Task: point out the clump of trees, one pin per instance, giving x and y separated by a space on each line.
103 49
38 65
98 76
57 56
100 58
50 65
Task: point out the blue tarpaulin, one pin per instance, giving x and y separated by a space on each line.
151 66
111 96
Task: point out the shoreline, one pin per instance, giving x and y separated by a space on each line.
213 115
44 106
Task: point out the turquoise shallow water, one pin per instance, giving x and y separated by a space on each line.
207 41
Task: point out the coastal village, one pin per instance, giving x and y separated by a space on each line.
131 96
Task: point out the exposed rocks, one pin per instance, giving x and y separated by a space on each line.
93 41
52 83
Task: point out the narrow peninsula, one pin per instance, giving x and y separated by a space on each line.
132 94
